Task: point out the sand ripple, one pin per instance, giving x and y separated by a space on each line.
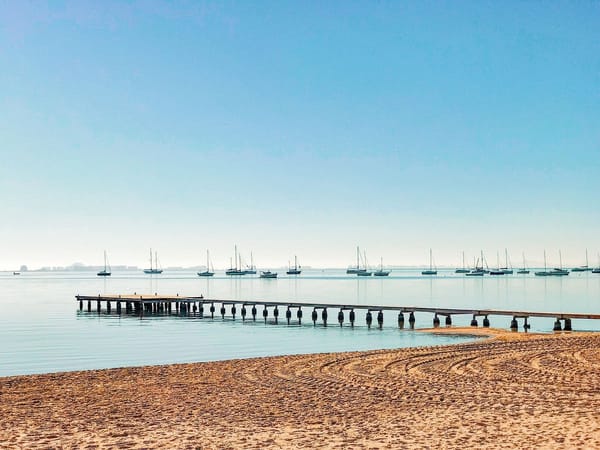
520 392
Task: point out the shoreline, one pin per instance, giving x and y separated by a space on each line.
521 389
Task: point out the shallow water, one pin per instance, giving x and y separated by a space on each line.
43 331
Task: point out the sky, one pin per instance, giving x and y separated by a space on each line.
298 128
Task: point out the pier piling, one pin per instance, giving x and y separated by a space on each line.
185 306
411 320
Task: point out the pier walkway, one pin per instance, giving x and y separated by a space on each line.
205 307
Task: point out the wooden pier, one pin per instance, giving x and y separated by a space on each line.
204 307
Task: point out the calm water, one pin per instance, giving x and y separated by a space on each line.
42 330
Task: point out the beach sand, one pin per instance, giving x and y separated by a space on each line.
513 390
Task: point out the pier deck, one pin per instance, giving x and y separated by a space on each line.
187 304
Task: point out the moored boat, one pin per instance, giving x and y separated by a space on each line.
584 268
357 269
464 268
431 271
234 269
524 270
268 274
153 269
381 272
294 270
210 271
106 271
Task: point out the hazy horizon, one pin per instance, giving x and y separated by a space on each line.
298 128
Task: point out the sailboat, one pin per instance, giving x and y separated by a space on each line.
478 271
106 271
545 272
251 269
597 269
507 269
583 268
498 270
381 272
430 271
357 269
207 272
234 270
155 269
559 271
296 269
364 272
463 269
524 270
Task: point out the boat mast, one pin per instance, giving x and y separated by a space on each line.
463 255
150 258
506 258
357 258
105 260
295 262
207 267
430 258
545 267
155 260
560 259
587 264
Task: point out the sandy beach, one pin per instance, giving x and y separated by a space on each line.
510 390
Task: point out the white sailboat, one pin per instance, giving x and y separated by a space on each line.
155 269
583 268
430 271
106 271
210 271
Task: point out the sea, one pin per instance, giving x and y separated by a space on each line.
42 329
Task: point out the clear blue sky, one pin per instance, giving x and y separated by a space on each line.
298 128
